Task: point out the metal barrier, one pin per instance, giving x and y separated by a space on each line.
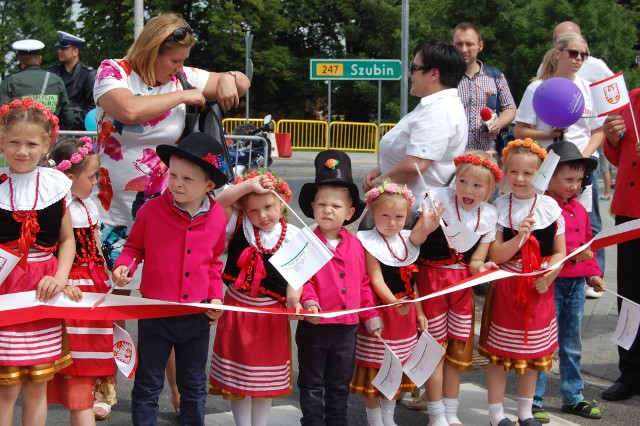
77 133
385 127
239 148
305 134
350 136
229 124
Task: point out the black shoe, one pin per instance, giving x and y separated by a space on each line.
618 392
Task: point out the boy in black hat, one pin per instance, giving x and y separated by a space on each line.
326 347
564 186
180 236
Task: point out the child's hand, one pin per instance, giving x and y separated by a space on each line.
261 184
597 283
314 309
73 292
525 226
121 276
48 287
585 254
402 308
541 284
377 332
486 266
214 314
431 217
294 303
422 323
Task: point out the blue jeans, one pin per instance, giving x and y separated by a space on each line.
569 300
595 219
189 334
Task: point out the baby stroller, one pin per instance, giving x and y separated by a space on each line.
250 147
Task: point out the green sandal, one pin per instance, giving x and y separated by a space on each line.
540 414
583 409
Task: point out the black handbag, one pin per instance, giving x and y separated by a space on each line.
206 120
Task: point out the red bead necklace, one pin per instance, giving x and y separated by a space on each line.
275 248
533 206
406 250
20 215
460 220
87 243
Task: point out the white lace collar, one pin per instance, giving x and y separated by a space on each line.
78 212
53 187
268 239
546 211
376 245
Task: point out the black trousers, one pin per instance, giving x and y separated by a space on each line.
326 360
629 287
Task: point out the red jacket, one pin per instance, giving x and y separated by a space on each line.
626 198
181 255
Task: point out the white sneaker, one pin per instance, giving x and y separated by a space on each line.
590 293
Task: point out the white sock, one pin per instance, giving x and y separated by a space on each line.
241 409
260 408
496 413
524 408
388 408
451 410
436 413
374 417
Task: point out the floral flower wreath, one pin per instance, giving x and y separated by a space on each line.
476 160
77 157
391 188
527 143
30 103
280 185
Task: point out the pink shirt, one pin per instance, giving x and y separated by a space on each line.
343 283
180 253
577 233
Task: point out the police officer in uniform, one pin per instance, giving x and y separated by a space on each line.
35 83
77 77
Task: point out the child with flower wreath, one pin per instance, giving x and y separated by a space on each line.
391 252
251 359
450 317
35 224
519 328
90 341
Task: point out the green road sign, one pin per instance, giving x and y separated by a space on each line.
355 69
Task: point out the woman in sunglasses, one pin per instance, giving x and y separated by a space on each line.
140 104
565 60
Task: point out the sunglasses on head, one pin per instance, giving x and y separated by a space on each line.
573 53
180 33
414 67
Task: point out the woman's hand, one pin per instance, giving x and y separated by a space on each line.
194 97
48 287
227 92
614 128
368 179
554 133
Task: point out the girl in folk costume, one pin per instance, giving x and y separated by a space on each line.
90 342
34 223
518 322
251 360
451 316
391 255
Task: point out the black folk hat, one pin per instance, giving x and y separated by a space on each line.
568 151
202 150
333 167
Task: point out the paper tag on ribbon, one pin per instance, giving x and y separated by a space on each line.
628 323
424 359
389 377
8 261
300 258
124 351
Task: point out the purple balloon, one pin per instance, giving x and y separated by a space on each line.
558 102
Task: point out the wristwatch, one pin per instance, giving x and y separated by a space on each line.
233 73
